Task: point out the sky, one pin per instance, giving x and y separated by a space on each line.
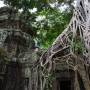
2 4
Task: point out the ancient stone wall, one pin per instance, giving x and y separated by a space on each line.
20 70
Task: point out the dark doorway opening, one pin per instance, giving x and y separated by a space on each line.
65 85
1 84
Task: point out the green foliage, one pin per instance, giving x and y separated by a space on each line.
3 56
27 4
34 3
48 28
2 53
78 46
51 26
50 80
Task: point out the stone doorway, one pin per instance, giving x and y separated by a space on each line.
64 80
65 85
0 84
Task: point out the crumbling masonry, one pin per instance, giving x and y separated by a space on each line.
64 66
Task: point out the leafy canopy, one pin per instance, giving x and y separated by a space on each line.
47 21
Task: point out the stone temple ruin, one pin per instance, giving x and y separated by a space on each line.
18 47
64 66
